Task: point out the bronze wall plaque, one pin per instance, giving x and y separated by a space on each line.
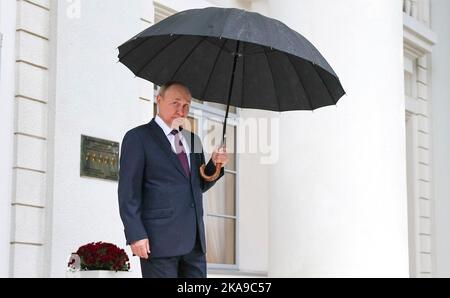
99 158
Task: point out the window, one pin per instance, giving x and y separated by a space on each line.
221 216
220 204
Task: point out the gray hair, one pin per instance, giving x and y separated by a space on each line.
169 84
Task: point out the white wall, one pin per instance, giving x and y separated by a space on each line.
254 185
440 14
242 4
7 92
180 5
338 197
95 97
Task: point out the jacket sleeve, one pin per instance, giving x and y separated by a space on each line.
132 164
210 169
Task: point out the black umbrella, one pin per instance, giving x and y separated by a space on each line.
234 57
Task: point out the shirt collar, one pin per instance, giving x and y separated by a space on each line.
167 130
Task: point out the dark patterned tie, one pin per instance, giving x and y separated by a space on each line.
179 149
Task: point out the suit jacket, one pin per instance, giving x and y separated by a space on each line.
156 199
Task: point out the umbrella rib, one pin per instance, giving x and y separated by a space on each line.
326 87
187 57
159 52
137 46
301 82
273 81
220 47
213 69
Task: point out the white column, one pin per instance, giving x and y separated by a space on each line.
440 13
7 75
338 205
77 201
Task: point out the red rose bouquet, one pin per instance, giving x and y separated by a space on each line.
102 256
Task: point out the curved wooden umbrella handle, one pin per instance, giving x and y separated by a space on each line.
214 176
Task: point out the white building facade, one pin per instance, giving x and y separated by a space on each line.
359 189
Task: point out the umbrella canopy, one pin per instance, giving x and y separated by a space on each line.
234 57
276 69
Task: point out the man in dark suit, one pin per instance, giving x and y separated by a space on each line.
160 190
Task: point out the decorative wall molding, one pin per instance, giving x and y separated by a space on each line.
30 133
418 41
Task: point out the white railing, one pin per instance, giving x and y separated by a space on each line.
418 9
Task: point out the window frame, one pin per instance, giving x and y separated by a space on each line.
201 113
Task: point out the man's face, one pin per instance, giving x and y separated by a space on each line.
174 105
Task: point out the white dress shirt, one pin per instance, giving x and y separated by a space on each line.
167 131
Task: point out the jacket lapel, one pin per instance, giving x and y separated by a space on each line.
161 139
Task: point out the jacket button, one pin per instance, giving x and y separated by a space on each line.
192 205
